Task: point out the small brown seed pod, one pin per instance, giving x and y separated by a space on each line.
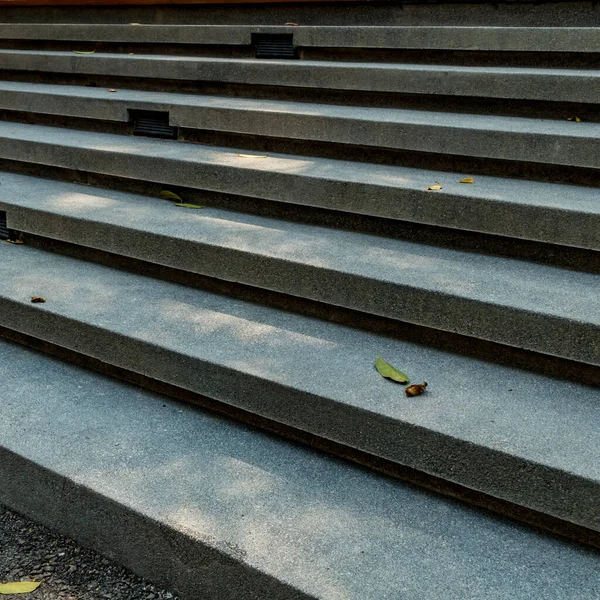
416 390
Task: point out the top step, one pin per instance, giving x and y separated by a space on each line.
501 39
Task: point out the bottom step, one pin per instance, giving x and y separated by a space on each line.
215 510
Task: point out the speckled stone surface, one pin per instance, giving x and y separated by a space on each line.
510 433
222 512
562 85
517 39
498 299
558 142
559 214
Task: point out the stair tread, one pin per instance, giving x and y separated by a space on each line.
546 39
253 356
168 101
269 509
566 85
514 138
548 212
332 266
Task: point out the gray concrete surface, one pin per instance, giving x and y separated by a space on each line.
513 14
516 39
512 434
222 512
498 299
559 214
506 138
558 85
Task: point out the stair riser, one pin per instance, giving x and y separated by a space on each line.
450 342
514 14
567 257
540 333
442 209
484 58
496 473
457 104
480 39
581 88
511 146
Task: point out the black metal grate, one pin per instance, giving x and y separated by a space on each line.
274 45
152 123
3 226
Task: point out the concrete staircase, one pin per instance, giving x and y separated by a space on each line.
318 248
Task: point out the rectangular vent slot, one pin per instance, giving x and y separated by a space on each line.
152 123
3 226
274 45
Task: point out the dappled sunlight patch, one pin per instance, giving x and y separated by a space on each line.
81 202
243 479
243 330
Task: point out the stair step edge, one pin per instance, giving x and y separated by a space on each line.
468 428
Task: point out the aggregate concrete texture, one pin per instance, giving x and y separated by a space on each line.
223 512
506 138
561 85
514 39
498 299
512 434
554 213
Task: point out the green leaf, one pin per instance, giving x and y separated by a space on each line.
183 205
170 195
19 587
386 370
83 51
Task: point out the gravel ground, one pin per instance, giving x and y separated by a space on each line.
68 571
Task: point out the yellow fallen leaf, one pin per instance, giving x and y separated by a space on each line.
14 241
416 389
253 155
184 205
19 587
467 180
437 186
170 195
83 51
135 23
292 24
576 119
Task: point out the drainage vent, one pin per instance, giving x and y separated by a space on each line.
3 226
271 45
152 123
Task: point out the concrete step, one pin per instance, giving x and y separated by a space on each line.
558 214
218 511
526 305
505 138
501 39
512 434
580 86
481 14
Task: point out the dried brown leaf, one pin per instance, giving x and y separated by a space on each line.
38 299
